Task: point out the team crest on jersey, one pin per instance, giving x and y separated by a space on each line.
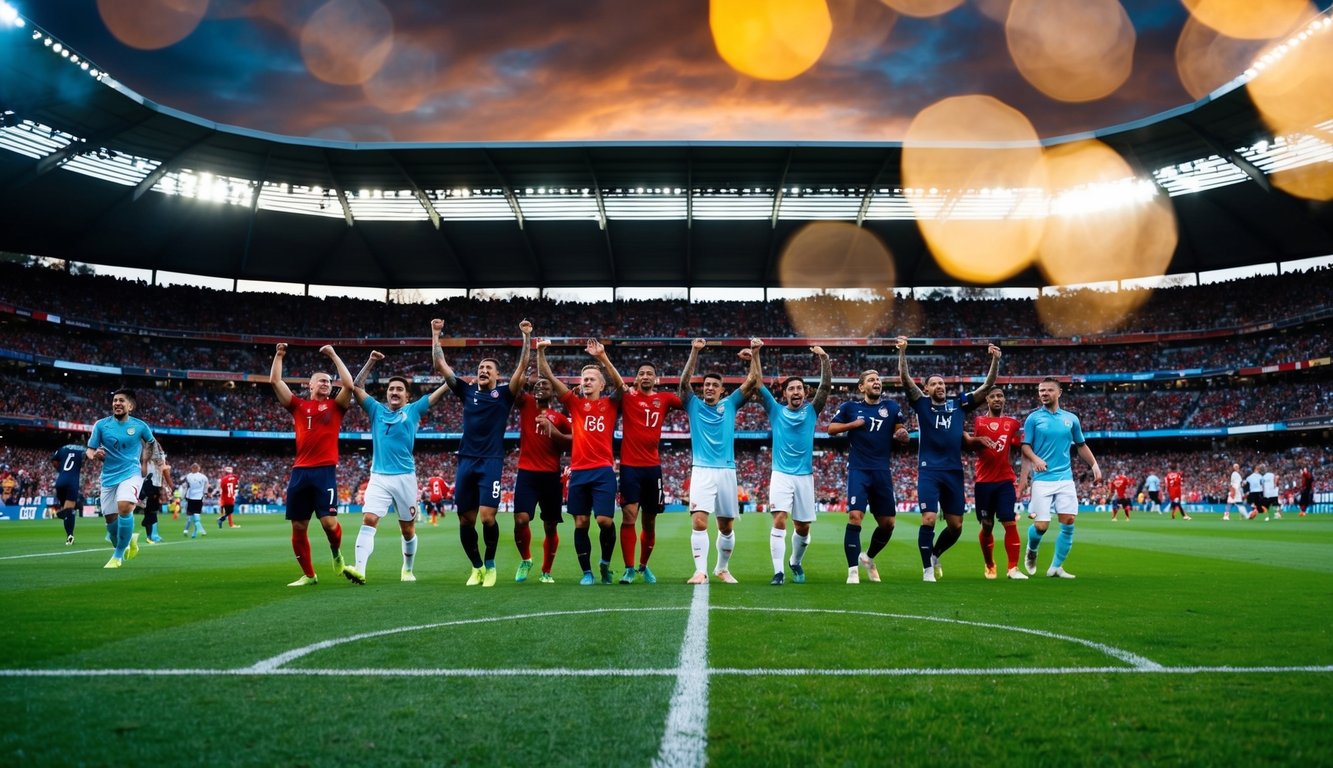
495 393
130 431
657 403
994 426
322 407
721 408
587 407
1068 423
884 412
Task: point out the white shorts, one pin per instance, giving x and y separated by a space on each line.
397 491
112 495
713 490
794 494
1060 495
1234 496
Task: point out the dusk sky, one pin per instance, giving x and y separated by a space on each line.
584 70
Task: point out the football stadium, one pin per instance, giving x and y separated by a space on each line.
707 439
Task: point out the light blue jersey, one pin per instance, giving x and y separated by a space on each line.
1152 483
1051 436
713 430
393 434
793 435
123 441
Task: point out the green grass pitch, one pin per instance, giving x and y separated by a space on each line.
1180 643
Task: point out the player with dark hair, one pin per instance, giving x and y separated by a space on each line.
68 463
436 490
481 455
1305 488
228 484
592 477
196 483
713 460
1121 486
645 411
940 453
1175 492
156 485
124 445
872 425
1254 484
543 435
995 436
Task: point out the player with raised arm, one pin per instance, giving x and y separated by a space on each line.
68 463
713 461
481 454
592 476
124 445
544 433
940 454
228 485
995 436
792 483
1048 435
1121 486
645 411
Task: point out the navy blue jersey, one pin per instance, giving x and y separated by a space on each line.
941 424
871 446
69 464
485 416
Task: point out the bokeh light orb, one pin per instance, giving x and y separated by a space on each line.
345 42
770 39
1293 89
1251 19
834 256
1207 59
860 30
1071 51
404 81
1312 182
151 24
922 8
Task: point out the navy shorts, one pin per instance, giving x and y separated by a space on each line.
194 506
477 483
941 490
533 490
312 491
592 491
67 492
1123 503
1306 500
151 496
1155 497
995 501
871 490
642 486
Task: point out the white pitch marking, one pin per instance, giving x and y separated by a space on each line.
685 742
106 548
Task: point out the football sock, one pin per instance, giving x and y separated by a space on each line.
152 532
523 541
606 537
409 553
550 544
1064 542
365 545
627 543
335 537
987 540
925 538
851 544
301 547
879 539
583 549
68 520
725 543
467 536
111 529
798 545
1012 543
948 537
699 550
490 535
1034 538
124 530
646 543
777 548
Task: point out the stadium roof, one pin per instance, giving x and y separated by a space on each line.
92 172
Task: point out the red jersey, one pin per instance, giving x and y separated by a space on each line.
1307 480
435 487
537 452
1174 482
317 426
1121 485
993 464
228 485
642 426
593 425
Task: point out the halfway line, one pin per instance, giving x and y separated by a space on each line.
685 743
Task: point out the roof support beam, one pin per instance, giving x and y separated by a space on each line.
338 190
870 189
416 191
167 166
508 188
1231 155
773 221
258 187
601 219
689 216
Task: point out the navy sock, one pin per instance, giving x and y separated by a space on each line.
879 538
583 549
925 538
851 542
608 541
467 536
946 540
490 534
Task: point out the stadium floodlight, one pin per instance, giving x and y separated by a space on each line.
10 15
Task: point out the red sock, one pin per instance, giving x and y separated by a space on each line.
1011 543
987 539
627 541
335 535
301 546
523 540
647 540
549 545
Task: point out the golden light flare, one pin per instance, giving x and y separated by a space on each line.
860 30
969 146
151 24
404 81
834 255
770 39
1251 19
1312 182
922 8
1071 51
1293 90
1085 313
1207 59
345 42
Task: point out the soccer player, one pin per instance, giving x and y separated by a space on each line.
940 453
1175 491
872 425
792 484
68 463
1305 492
592 477
995 437
436 487
1234 495
1048 434
713 462
1153 485
155 486
1120 485
1254 483
312 490
481 455
393 469
124 445
1271 501
645 411
195 483
227 487
544 433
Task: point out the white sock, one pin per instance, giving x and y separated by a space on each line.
777 547
798 545
699 549
409 552
365 544
724 546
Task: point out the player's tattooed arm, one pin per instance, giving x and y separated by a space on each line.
437 353
825 378
913 391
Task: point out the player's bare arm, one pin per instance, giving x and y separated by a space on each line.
985 388
755 376
913 391
345 379
902 435
1085 453
558 387
1038 464
684 390
520 376
437 353
825 378
616 384
280 387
